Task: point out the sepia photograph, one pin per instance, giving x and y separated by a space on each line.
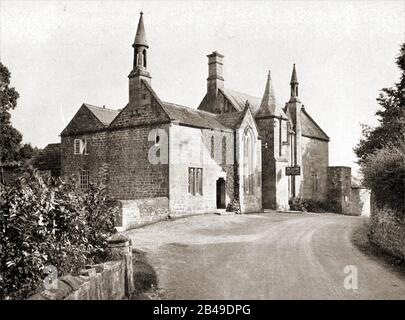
219 152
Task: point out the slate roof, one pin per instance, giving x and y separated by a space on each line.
231 120
192 117
105 115
310 128
238 99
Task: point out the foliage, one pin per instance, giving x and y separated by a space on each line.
10 137
48 223
233 206
312 205
384 173
391 117
381 149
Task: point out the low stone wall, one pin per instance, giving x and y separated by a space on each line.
387 231
111 280
102 282
135 213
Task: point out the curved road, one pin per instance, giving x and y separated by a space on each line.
264 256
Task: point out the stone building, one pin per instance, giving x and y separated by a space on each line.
160 158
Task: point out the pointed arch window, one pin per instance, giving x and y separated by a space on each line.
212 147
223 150
248 161
144 58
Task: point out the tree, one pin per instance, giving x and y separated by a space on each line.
381 150
10 138
390 131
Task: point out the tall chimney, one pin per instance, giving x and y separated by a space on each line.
215 79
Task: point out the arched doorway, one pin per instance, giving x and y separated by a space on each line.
221 193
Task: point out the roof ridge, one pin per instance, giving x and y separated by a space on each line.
190 108
101 108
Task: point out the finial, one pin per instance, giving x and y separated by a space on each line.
141 13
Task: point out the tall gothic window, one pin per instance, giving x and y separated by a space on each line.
212 148
248 161
223 150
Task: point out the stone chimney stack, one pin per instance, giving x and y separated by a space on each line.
215 79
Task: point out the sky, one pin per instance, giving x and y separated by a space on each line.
64 53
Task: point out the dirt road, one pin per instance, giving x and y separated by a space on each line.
264 256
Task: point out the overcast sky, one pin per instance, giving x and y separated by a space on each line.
64 53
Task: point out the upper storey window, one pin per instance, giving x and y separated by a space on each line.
80 146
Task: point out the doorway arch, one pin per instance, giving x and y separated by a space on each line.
221 193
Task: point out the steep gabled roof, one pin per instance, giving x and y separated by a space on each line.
238 100
105 115
310 128
192 117
89 118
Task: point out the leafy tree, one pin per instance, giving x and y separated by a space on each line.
390 131
381 150
10 138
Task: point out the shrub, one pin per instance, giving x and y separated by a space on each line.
384 175
233 206
48 223
312 205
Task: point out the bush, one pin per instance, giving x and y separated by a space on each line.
312 205
48 223
233 206
384 174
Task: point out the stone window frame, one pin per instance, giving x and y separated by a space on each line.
80 147
84 179
195 181
248 163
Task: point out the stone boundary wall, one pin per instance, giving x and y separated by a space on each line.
112 280
139 212
387 231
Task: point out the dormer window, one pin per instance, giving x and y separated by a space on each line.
80 147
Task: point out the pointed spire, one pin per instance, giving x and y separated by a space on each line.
294 79
140 38
268 105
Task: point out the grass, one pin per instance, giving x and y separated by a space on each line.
360 239
145 279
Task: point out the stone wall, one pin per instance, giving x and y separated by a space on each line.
339 188
275 184
314 171
387 230
95 161
131 174
135 213
249 202
191 147
111 280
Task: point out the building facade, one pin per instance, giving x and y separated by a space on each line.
231 152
